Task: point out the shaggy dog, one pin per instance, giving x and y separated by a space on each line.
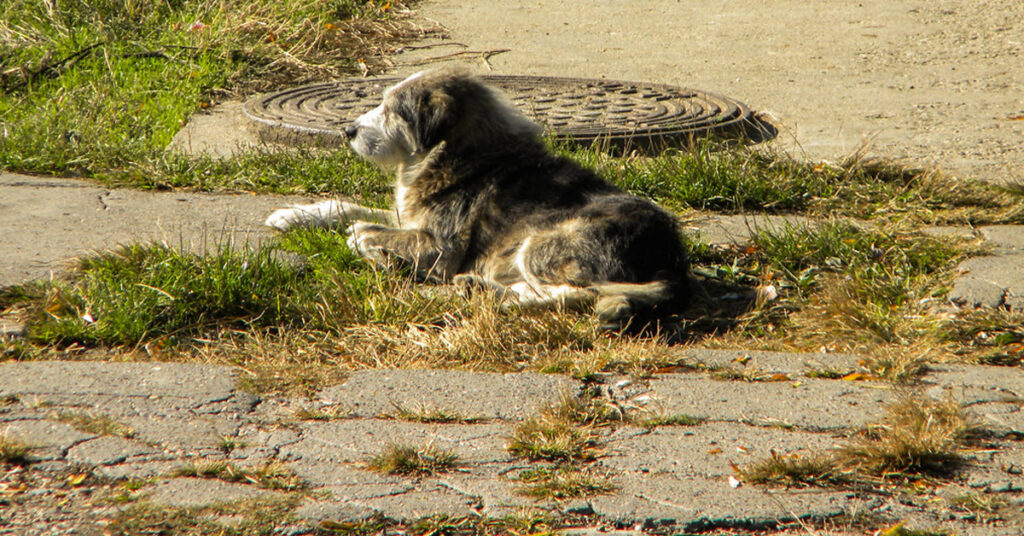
480 202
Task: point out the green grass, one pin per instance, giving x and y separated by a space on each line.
553 439
562 484
98 88
409 460
94 424
270 475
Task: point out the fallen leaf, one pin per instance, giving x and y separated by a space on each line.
779 377
715 451
77 479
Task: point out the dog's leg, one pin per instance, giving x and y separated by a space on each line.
532 297
430 257
327 214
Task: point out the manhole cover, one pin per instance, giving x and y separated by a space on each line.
583 110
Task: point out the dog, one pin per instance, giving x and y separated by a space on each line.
480 202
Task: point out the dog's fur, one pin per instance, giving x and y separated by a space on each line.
479 201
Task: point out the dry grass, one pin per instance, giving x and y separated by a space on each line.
423 414
919 435
553 439
271 475
793 470
562 484
408 460
94 424
13 450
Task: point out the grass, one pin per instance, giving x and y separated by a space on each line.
94 424
256 517
562 484
409 460
550 438
99 88
674 419
270 476
793 470
918 436
14 451
424 414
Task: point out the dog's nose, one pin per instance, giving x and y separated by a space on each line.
351 131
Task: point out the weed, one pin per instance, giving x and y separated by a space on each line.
553 439
791 469
562 483
429 415
409 460
675 419
325 413
227 444
258 517
13 450
271 475
94 424
919 435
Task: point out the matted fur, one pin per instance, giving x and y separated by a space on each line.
479 201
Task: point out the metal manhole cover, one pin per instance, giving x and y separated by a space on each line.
583 110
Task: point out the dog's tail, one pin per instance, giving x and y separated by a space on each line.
636 305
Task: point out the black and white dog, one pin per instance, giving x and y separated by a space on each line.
480 202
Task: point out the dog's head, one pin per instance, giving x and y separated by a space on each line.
429 108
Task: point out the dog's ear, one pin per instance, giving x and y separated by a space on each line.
432 118
435 117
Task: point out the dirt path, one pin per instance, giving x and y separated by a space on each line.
937 83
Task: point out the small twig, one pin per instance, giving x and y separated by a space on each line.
54 68
484 54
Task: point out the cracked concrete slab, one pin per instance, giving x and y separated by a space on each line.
461 394
994 280
807 403
794 364
708 450
677 475
199 492
696 504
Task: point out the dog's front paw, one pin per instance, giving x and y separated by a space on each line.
284 219
363 239
469 284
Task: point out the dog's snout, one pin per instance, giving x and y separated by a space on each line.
351 131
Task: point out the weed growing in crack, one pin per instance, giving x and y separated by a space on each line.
562 483
94 424
270 475
919 435
674 419
325 413
408 460
429 415
14 451
791 469
553 439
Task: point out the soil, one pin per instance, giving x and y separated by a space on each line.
933 83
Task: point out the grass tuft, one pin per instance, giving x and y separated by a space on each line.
424 414
408 460
562 484
791 470
94 424
14 451
553 439
270 475
918 436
